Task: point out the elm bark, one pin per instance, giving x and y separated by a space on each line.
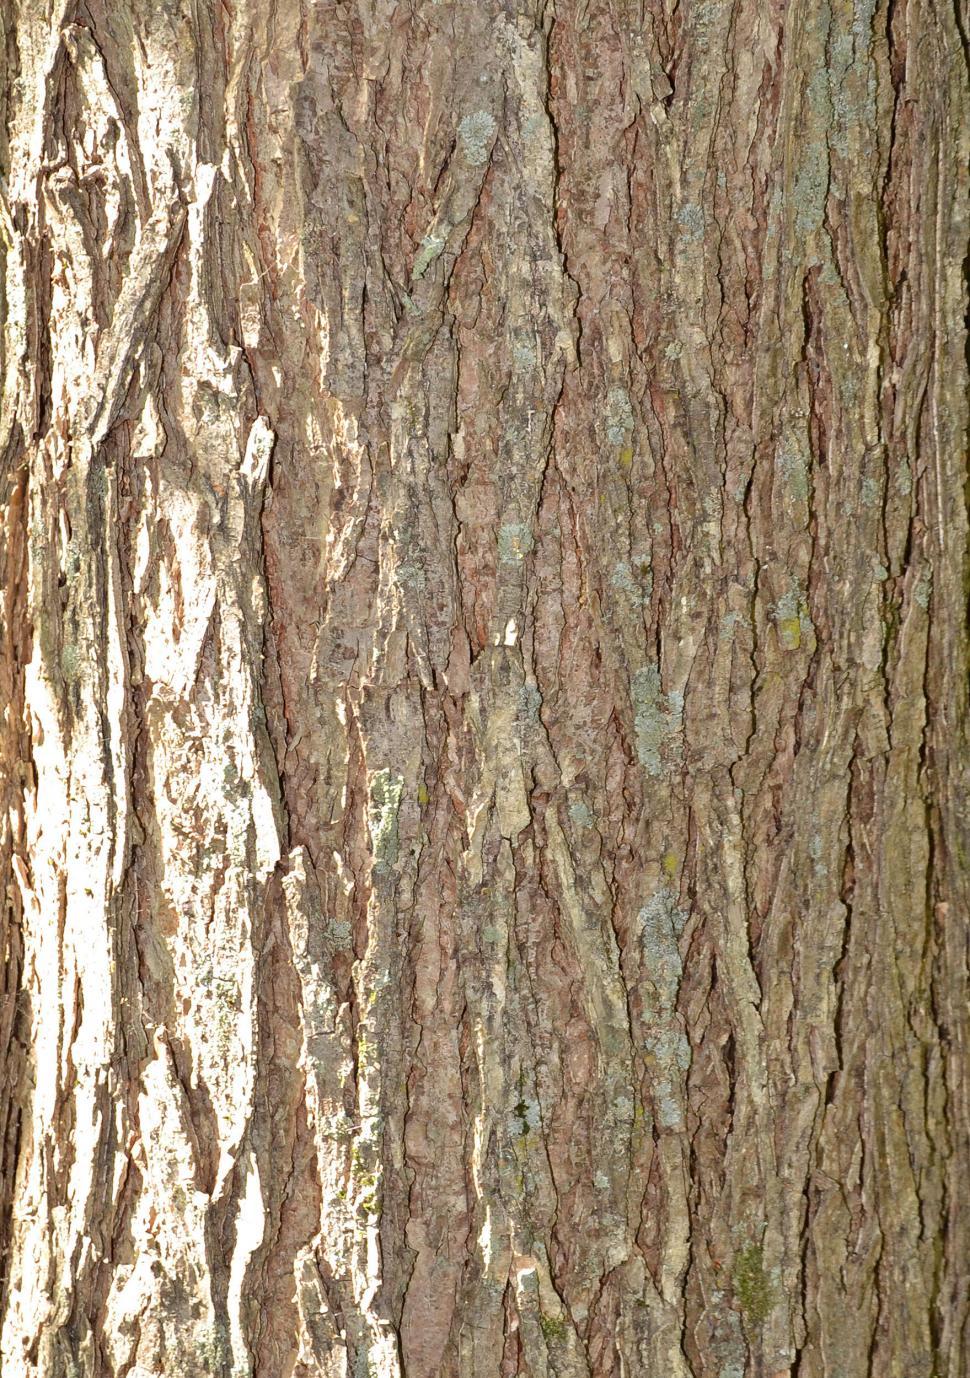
483 591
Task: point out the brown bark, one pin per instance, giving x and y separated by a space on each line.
484 658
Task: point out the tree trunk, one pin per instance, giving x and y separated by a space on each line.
484 662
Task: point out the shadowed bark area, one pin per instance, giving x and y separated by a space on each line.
483 647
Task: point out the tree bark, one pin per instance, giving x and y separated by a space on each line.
484 662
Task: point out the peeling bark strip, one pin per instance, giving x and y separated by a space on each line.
483 648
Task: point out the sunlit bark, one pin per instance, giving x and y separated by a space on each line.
484 665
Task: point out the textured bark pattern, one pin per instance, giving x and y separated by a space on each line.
485 762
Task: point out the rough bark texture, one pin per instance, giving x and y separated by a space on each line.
484 669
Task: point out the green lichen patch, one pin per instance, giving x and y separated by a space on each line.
752 1286
370 1203
552 1327
367 1184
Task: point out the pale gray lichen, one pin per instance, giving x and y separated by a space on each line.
792 466
70 664
669 1046
429 249
924 588
515 540
580 814
72 559
661 923
622 578
820 95
812 179
385 801
727 1340
792 619
870 492
815 848
338 932
530 701
214 1350
904 479
363 1368
476 132
411 575
524 354
526 1116
657 717
665 1044
787 605
619 415
669 1112
624 1107
690 218
863 15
